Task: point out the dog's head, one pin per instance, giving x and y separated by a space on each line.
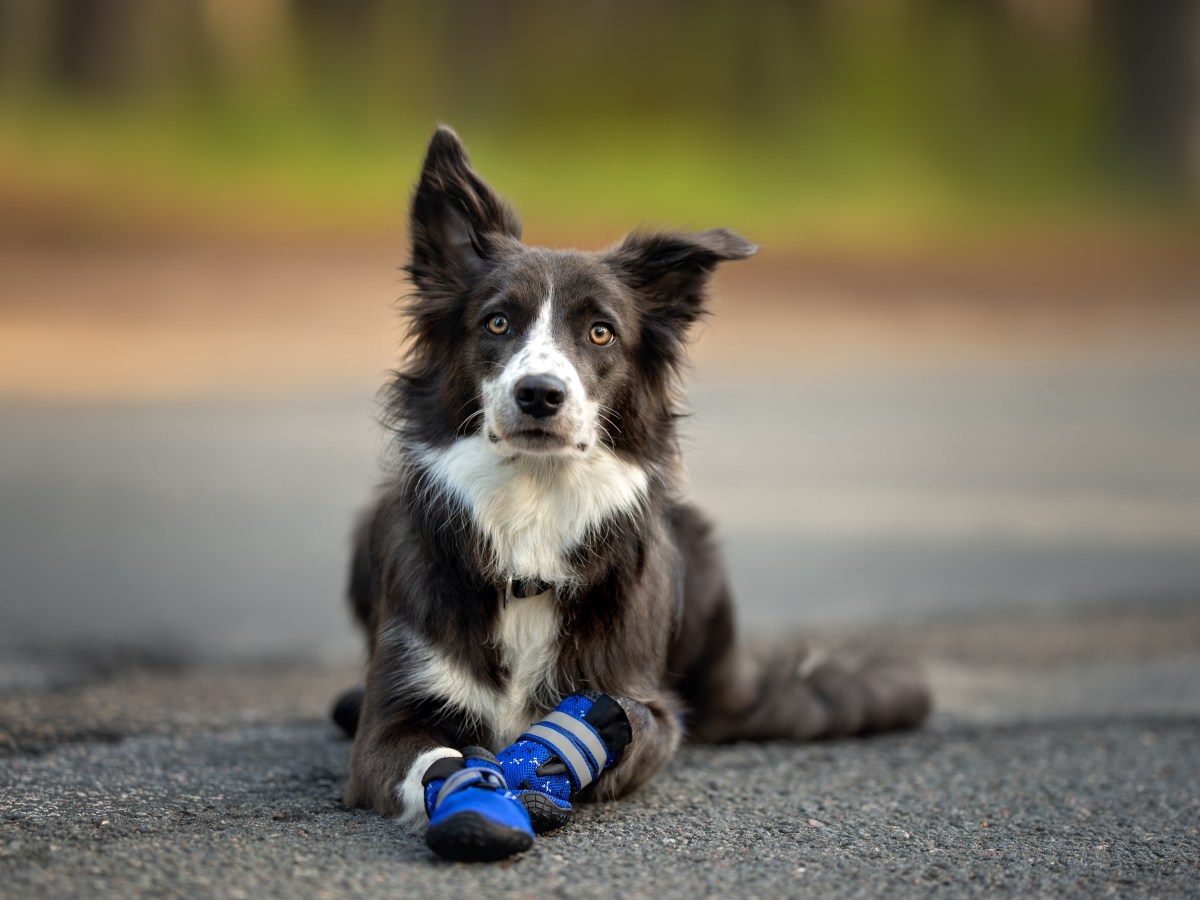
546 352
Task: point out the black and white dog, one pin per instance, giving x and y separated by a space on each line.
531 548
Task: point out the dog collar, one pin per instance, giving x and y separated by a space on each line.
518 589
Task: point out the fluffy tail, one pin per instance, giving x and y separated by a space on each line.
736 690
796 692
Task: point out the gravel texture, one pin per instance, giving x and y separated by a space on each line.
1072 808
1068 774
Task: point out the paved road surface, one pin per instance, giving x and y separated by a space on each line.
1068 770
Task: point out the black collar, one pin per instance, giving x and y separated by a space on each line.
515 589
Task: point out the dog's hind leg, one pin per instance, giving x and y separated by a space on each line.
360 592
360 585
737 691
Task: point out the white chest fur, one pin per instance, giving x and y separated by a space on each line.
535 510
526 637
528 633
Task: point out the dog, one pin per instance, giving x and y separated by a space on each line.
546 618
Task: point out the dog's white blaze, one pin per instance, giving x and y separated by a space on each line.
541 355
410 792
535 509
540 336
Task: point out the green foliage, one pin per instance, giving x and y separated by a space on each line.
796 122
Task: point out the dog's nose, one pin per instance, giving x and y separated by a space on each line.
540 395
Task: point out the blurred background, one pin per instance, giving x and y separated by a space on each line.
961 381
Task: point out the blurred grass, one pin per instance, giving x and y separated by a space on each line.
866 125
296 173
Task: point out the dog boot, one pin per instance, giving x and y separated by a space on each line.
473 817
561 755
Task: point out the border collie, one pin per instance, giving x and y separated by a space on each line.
546 618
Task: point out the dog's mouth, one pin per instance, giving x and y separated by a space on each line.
536 440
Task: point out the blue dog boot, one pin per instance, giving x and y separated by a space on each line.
561 755
473 817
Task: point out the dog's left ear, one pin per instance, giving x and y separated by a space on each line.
675 267
670 271
457 223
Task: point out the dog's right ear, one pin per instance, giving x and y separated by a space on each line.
457 223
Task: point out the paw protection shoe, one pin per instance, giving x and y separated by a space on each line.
561 755
473 817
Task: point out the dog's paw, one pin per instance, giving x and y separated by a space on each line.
480 825
473 817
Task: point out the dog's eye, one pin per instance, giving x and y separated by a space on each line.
601 334
497 324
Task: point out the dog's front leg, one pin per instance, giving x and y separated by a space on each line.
656 732
400 768
592 745
399 737
388 762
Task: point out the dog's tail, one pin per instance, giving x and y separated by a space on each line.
797 692
736 690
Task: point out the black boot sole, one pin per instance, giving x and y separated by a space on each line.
470 837
544 814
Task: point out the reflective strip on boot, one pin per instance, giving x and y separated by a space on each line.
464 777
583 733
564 748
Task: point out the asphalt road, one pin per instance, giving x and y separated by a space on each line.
1064 766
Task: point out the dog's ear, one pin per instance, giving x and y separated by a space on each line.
457 223
673 268
670 272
